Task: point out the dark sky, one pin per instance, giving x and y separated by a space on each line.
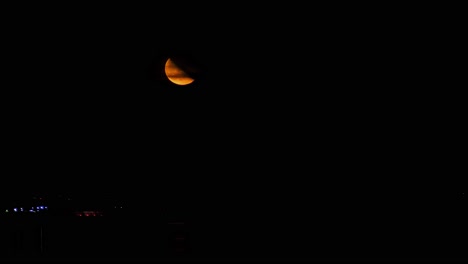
81 81
85 92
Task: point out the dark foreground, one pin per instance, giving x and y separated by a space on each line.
337 233
89 238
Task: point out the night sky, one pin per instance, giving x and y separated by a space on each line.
314 117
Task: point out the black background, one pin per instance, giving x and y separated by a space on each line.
304 126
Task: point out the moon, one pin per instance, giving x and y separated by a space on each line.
176 75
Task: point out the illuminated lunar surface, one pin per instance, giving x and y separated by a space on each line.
176 75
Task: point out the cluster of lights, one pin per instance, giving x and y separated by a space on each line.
33 209
89 213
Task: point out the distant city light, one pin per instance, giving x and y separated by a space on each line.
6 211
15 209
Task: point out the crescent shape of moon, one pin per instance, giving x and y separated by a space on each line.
176 75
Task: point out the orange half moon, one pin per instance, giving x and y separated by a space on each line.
176 75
